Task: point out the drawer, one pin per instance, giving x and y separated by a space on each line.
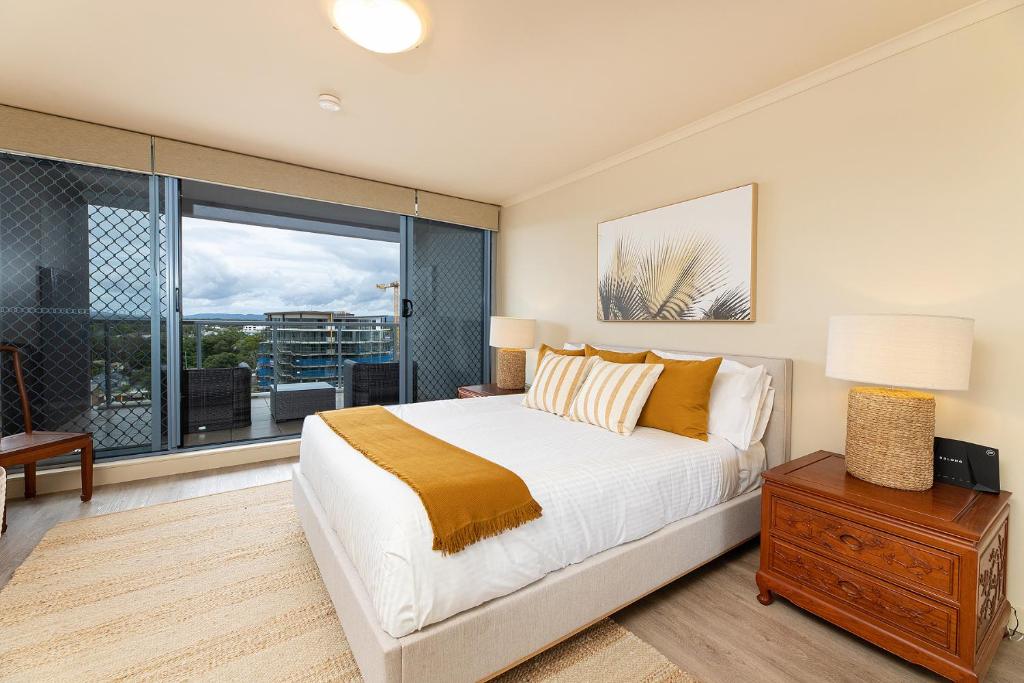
903 560
905 612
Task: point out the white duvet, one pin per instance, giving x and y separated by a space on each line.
598 490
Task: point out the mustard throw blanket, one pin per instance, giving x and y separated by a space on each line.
467 498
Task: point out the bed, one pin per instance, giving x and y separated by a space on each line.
411 614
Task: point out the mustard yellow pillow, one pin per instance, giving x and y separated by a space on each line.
544 348
616 356
679 400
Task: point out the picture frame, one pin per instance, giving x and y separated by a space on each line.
691 261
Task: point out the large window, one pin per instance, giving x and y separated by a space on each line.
161 314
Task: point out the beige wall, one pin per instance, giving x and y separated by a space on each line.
895 188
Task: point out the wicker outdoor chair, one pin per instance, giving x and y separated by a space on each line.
368 384
216 398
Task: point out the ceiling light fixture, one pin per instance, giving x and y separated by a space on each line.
386 26
329 102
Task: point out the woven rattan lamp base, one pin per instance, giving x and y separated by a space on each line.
511 369
890 435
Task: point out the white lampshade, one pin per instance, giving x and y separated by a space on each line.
911 351
512 333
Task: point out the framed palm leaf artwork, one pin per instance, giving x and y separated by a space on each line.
690 261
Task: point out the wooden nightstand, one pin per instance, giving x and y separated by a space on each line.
478 390
921 574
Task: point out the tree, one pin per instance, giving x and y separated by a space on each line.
223 347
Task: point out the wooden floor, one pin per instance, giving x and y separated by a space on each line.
708 622
710 625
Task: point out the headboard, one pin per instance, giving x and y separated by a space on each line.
777 437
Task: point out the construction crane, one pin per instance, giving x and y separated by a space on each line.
398 301
398 306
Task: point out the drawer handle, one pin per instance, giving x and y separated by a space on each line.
852 542
850 589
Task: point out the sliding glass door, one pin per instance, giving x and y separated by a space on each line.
446 290
287 308
82 295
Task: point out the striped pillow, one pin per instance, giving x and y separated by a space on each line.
556 382
614 394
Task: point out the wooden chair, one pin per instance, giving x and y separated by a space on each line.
29 447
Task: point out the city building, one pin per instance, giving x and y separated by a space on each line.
314 346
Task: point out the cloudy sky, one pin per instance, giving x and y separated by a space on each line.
231 268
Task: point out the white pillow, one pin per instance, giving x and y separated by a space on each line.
613 394
736 397
765 388
764 415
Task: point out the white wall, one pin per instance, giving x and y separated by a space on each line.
895 188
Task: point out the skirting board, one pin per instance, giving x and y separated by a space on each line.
117 471
483 641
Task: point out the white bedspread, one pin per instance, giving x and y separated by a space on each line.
598 490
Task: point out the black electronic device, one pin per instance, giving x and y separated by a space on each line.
967 464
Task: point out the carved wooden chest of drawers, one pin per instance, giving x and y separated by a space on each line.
921 574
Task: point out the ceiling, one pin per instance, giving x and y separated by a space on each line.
502 97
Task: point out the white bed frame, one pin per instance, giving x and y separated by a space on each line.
495 636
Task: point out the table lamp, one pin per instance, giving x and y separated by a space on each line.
890 432
511 336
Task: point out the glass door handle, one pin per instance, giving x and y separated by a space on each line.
406 308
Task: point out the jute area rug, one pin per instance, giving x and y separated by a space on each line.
220 588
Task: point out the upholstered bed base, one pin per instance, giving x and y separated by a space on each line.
492 637
498 634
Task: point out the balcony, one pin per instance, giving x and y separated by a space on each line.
226 405
263 426
278 353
